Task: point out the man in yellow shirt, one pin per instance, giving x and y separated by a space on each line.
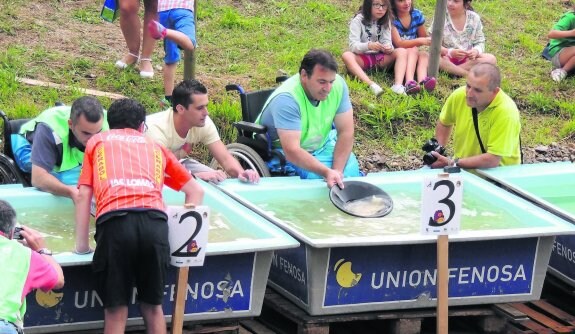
492 139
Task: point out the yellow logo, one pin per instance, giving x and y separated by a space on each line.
344 276
101 163
48 299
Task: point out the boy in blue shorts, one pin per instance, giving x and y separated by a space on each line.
178 29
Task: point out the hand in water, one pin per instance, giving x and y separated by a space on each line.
334 177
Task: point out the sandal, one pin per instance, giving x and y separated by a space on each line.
121 64
146 74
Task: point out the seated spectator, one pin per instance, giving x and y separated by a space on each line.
463 43
562 46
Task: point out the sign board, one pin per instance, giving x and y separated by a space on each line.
441 199
188 235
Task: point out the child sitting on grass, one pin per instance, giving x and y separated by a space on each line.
562 46
177 27
409 33
370 46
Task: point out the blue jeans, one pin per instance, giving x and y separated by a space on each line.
7 327
324 155
181 20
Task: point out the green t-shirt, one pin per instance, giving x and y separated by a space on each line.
499 127
566 22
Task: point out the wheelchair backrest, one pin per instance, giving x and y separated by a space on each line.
10 127
253 102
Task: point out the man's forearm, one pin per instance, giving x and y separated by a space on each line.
485 160
305 160
341 152
442 133
45 181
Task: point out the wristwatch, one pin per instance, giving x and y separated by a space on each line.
44 251
456 162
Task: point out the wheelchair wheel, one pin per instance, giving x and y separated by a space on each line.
247 157
7 173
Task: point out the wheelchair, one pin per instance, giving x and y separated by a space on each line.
9 171
253 148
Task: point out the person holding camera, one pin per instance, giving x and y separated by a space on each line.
486 122
25 266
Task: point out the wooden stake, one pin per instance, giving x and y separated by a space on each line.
180 300
92 92
442 284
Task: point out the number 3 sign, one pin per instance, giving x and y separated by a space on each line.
441 205
188 235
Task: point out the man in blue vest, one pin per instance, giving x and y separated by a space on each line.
300 116
51 146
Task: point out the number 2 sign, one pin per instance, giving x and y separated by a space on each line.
188 235
441 205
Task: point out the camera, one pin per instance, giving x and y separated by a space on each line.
17 235
430 146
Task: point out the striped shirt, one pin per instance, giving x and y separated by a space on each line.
164 5
126 171
408 33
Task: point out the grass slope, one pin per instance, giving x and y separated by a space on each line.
247 42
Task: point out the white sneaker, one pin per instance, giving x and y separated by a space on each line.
558 74
376 89
398 89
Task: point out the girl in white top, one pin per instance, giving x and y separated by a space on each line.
463 42
370 46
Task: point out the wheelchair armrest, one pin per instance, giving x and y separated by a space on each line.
244 126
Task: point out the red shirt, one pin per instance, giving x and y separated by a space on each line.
126 171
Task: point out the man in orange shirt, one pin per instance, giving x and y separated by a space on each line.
125 171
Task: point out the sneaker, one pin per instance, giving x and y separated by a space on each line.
558 74
157 31
411 87
428 83
376 89
398 89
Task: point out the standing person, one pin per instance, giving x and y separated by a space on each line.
409 33
490 141
23 269
463 43
51 146
299 116
562 46
186 124
125 172
370 46
132 31
178 29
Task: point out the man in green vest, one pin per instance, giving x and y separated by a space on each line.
51 146
23 269
300 116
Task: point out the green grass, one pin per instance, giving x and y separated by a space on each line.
247 42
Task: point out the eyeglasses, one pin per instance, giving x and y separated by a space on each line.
379 6
145 126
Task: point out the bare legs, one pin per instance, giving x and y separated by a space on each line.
398 58
131 29
567 59
463 69
354 65
115 319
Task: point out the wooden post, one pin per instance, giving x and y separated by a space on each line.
190 56
180 300
442 284
436 37
181 292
